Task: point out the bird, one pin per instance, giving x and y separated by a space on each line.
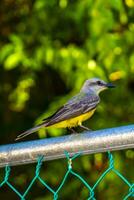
78 109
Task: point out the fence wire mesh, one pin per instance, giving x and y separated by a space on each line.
69 171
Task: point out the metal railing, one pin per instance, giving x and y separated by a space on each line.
53 148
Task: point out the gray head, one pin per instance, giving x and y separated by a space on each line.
96 85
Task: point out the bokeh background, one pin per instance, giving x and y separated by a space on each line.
47 50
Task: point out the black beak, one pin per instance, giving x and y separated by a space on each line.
110 85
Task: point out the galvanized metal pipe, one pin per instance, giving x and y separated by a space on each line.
54 148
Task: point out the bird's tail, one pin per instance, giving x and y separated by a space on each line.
28 132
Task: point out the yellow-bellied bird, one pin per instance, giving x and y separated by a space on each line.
78 109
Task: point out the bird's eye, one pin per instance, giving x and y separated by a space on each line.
99 82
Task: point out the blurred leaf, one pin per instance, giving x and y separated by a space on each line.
13 61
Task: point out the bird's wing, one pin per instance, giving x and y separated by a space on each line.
79 104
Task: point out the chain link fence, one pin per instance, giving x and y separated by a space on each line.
54 148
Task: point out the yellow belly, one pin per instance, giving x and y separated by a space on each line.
73 121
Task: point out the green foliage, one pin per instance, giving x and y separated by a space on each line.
48 49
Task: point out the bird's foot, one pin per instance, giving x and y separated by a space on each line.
72 130
85 128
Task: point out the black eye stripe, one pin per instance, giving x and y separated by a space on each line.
99 83
96 83
92 83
